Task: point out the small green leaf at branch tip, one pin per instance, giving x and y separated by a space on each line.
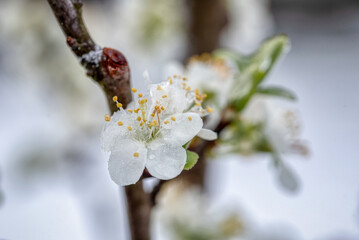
277 92
192 159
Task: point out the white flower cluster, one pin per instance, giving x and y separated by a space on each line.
151 132
209 74
213 76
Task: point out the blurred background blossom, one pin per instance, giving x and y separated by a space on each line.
53 177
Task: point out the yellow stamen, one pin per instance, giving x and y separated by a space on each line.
141 123
188 88
119 105
140 95
129 128
130 110
136 111
136 154
107 118
153 123
119 123
174 76
159 87
115 98
190 118
198 104
173 118
134 90
139 118
152 115
184 79
209 109
162 108
164 96
166 122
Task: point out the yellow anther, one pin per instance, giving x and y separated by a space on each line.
141 124
119 105
129 128
173 118
209 109
174 76
134 90
140 95
157 107
159 111
137 110
159 87
115 98
107 118
153 123
130 110
162 108
188 88
170 80
204 95
136 154
166 122
138 118
152 115
198 104
164 96
190 118
145 100
119 123
196 91
184 79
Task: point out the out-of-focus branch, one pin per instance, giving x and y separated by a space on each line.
110 69
207 18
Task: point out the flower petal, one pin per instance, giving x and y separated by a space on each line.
207 134
180 129
166 161
127 163
114 135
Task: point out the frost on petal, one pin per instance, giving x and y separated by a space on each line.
127 163
207 134
112 134
181 128
165 161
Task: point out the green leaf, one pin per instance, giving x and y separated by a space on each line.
254 73
277 91
192 159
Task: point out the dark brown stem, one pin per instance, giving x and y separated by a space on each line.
207 18
110 69
139 211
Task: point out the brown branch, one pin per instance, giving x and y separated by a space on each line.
110 69
107 66
207 18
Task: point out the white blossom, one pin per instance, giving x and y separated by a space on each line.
212 76
151 132
281 124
